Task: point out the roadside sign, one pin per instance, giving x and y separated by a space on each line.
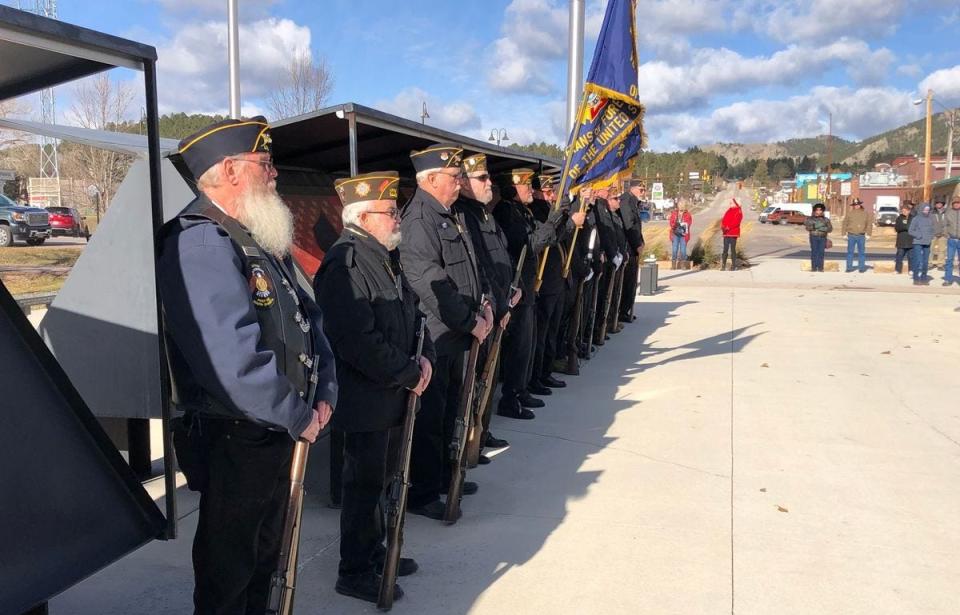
657 191
7 175
846 189
693 175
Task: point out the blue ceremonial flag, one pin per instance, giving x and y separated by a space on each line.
609 128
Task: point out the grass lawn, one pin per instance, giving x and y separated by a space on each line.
40 256
25 283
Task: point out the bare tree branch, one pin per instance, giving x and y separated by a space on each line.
8 108
101 105
304 87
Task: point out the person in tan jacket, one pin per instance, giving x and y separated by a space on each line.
857 226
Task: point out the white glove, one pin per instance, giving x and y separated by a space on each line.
589 276
617 261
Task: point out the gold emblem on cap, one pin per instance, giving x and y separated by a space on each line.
516 178
363 189
444 156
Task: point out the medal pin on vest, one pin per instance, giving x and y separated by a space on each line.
261 287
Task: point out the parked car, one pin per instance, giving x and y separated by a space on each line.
31 224
786 216
887 215
644 215
764 215
67 221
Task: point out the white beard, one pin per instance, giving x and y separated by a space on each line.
392 241
267 218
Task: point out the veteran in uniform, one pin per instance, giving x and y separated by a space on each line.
371 317
602 218
439 260
630 203
522 229
490 245
244 341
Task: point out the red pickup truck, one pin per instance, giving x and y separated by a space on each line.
67 221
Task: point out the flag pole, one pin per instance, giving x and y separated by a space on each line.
563 182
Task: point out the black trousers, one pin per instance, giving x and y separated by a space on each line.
631 273
237 544
517 351
549 311
369 462
608 278
729 245
430 457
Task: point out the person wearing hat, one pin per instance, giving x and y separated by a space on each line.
490 244
441 264
951 228
921 229
611 247
522 229
939 244
730 227
243 341
371 317
857 226
550 298
631 203
818 226
623 250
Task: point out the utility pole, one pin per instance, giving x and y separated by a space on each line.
927 148
829 157
49 162
951 120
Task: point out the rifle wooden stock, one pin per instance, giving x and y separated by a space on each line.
487 384
573 331
592 321
283 582
619 297
396 504
611 284
458 444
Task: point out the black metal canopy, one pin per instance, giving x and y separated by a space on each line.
323 140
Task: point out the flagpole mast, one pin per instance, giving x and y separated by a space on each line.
575 61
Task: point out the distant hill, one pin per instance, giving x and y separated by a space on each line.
907 139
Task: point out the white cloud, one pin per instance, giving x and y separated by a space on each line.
857 114
713 72
820 20
945 84
456 116
193 69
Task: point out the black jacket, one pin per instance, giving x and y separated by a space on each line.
440 263
371 319
490 246
902 226
630 215
612 240
522 229
553 282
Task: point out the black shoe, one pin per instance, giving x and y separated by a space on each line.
529 401
538 389
550 381
627 318
469 488
405 567
433 510
494 442
364 586
512 409
599 342
483 460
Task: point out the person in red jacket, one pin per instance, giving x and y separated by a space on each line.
730 225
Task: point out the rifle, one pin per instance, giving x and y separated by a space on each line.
283 583
486 384
594 296
576 320
396 503
616 306
458 444
606 303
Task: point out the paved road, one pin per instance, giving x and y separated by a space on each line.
761 441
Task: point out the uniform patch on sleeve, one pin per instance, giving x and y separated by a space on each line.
261 287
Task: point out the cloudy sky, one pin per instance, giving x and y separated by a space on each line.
712 70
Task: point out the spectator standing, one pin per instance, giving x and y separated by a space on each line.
951 229
680 223
819 226
730 225
857 226
921 229
939 244
904 240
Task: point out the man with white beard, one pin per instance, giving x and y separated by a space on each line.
371 317
244 342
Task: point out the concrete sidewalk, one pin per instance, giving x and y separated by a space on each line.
752 444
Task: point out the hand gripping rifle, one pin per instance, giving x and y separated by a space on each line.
283 583
594 295
396 503
619 297
458 444
486 384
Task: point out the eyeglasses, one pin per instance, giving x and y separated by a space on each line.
482 178
267 164
393 212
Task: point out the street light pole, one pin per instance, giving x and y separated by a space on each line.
927 148
952 117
